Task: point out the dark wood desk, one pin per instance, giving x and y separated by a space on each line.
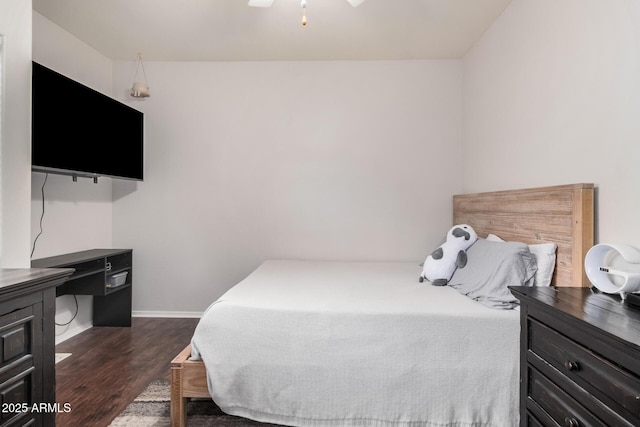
94 271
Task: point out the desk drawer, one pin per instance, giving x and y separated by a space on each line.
611 384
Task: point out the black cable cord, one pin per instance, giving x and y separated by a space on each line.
33 249
74 315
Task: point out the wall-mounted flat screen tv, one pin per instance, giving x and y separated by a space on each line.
80 132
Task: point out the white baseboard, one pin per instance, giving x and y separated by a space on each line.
168 314
72 332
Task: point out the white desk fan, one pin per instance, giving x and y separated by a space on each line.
609 279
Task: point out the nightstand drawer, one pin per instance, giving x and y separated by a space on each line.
614 386
557 404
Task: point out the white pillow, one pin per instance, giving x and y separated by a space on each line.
545 255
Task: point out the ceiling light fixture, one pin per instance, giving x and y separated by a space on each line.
139 89
303 4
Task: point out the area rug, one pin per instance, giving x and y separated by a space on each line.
152 408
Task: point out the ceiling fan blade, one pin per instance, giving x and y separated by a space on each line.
260 3
268 3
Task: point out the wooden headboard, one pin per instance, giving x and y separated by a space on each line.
562 214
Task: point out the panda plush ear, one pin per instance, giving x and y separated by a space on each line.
440 265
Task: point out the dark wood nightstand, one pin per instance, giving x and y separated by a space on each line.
579 358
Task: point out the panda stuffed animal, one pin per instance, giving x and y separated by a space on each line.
439 267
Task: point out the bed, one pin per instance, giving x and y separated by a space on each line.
328 344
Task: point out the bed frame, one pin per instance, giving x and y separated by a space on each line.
563 214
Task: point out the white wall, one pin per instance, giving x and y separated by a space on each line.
78 215
552 96
15 139
309 160
339 160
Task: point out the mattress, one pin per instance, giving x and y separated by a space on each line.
358 344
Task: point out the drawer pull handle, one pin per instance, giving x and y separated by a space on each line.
571 422
572 366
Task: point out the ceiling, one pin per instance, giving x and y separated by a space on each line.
230 30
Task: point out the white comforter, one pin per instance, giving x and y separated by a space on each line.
358 344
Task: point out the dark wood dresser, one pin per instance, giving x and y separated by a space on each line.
27 345
580 358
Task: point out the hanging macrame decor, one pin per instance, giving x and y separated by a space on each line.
140 89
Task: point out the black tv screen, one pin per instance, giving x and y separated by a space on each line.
80 132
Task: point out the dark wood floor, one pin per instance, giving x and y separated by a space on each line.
109 367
